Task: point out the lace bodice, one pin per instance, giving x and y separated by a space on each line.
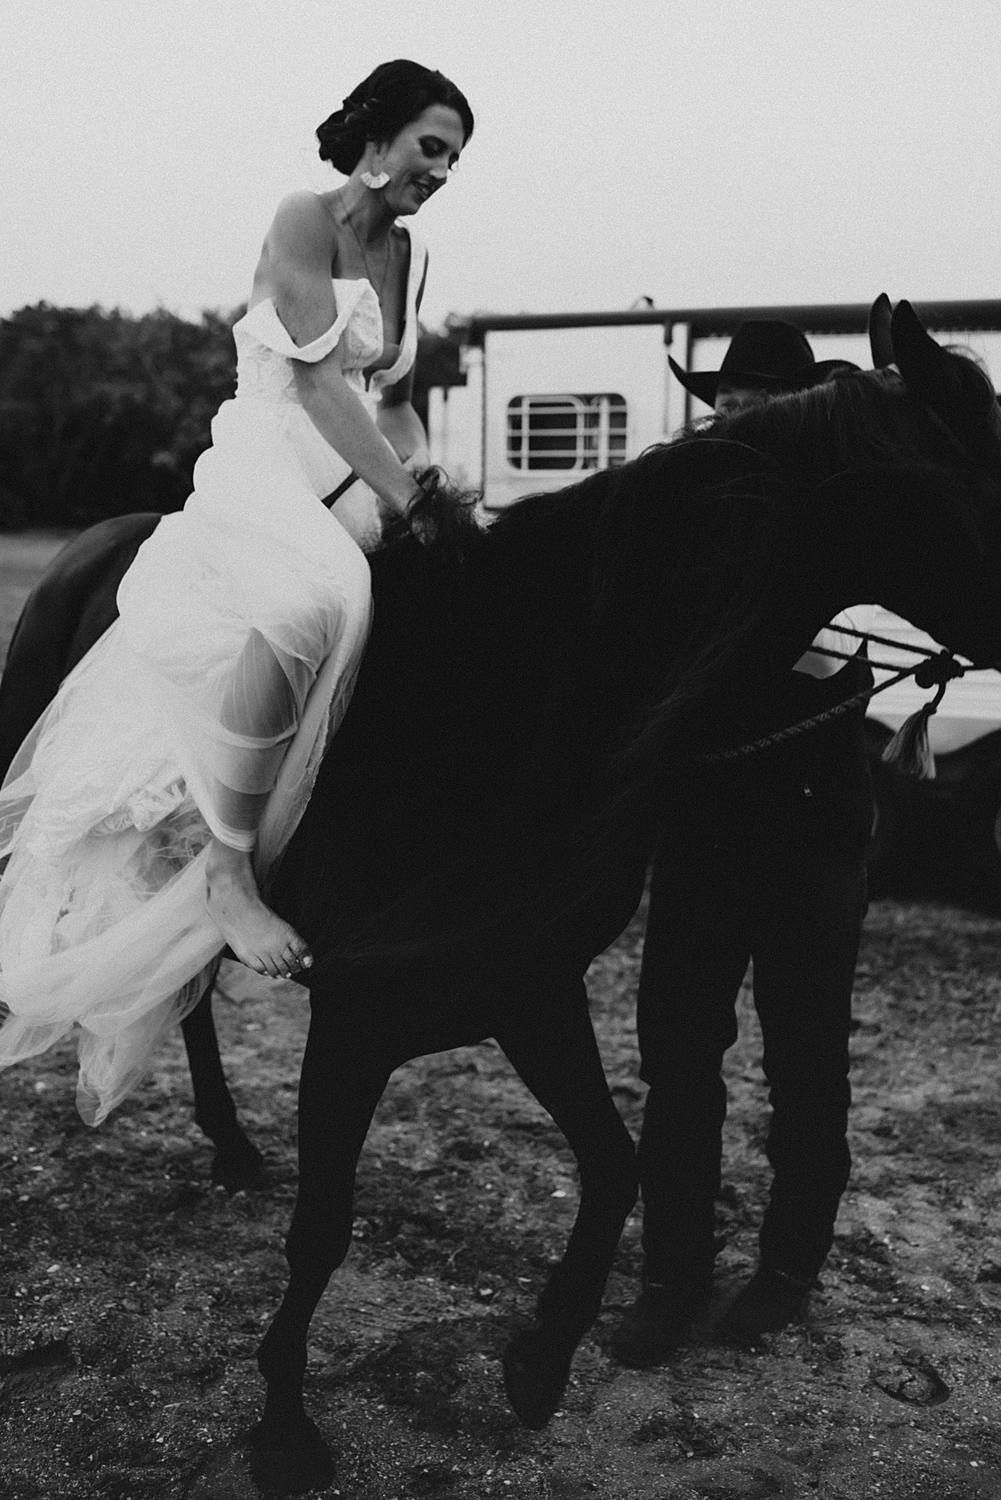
265 351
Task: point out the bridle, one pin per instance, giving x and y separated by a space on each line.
936 668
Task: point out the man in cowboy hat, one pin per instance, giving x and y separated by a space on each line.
766 357
763 860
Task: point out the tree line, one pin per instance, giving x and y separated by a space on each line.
102 413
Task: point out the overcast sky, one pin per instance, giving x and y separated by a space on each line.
700 152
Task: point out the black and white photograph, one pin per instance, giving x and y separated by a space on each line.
500 750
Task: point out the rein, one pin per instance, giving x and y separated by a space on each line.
936 669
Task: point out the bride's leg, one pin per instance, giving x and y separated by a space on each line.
260 708
256 936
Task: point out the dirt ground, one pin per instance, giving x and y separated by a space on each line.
133 1293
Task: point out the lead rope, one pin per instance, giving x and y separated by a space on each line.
908 751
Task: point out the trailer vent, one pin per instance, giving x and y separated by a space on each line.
566 432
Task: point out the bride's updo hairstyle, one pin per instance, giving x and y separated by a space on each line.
378 109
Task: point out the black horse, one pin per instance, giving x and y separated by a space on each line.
481 824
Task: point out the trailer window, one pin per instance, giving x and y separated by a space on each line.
566 432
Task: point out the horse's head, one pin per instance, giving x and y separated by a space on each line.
894 484
951 386
960 411
881 486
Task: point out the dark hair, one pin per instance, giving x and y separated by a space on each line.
378 109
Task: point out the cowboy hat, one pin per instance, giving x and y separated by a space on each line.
766 353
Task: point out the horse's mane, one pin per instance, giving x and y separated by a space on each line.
758 468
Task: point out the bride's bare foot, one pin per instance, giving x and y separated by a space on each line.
256 936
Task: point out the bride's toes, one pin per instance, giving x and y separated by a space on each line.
296 956
266 965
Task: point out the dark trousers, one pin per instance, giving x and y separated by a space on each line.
779 885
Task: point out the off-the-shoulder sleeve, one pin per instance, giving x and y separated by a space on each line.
264 324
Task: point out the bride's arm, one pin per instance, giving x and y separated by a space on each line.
298 253
402 427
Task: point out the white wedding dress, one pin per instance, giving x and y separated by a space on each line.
157 734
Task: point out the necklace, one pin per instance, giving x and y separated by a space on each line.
361 249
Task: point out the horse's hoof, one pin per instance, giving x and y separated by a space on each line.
536 1372
770 1301
239 1168
301 1461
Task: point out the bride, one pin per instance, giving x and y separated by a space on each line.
171 770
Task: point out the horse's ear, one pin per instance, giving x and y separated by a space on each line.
880 337
954 388
927 370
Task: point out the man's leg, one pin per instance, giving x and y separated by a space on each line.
694 958
806 947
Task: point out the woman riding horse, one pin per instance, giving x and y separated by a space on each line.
154 797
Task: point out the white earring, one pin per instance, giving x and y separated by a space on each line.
372 181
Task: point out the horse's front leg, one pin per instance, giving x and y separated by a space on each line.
237 1164
556 1055
343 1078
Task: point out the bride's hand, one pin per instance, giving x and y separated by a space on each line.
418 461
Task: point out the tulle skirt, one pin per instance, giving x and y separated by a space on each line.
168 721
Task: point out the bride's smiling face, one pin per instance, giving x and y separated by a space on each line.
420 157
